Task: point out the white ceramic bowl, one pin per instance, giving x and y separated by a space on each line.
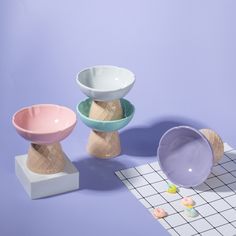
105 83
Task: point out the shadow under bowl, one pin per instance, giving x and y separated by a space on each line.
105 83
83 110
185 156
44 123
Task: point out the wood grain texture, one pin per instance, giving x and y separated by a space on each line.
105 144
111 110
216 143
46 159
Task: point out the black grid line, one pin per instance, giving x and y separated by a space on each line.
167 202
157 193
202 217
210 189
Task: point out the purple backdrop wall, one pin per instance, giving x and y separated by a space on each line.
183 54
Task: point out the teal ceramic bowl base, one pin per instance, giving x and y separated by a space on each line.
83 110
104 141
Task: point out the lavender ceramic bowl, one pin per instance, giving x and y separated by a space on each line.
185 156
44 123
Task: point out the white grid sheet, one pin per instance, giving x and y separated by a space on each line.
215 199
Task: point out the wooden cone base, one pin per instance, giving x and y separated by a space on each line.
46 159
216 143
110 110
104 144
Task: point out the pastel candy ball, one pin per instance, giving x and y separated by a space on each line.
172 188
191 212
187 201
159 213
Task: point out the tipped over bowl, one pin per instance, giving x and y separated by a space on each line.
185 156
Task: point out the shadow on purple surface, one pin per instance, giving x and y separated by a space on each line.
143 141
97 174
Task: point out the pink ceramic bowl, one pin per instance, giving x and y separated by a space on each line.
44 123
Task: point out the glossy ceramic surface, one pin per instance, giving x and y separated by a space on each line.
44 123
107 126
185 156
105 83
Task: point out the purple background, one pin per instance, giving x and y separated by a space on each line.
183 54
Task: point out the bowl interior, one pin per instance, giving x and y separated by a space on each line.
44 118
185 156
106 78
127 107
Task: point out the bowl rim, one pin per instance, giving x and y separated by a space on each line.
206 141
42 105
106 121
104 66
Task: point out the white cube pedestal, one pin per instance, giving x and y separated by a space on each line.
40 185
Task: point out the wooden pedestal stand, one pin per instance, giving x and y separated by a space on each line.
45 158
105 144
216 143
